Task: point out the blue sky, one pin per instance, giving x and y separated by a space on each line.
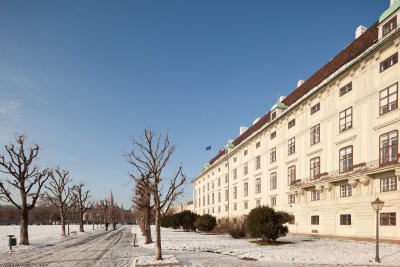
83 77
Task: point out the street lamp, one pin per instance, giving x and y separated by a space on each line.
377 205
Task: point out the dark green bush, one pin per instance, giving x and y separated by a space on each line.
169 221
187 219
263 222
205 223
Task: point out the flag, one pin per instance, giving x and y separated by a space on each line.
208 148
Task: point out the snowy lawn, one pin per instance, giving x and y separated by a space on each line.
39 235
302 250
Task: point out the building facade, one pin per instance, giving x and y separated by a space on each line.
324 152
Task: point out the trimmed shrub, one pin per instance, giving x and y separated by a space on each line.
206 223
238 229
170 221
187 219
263 222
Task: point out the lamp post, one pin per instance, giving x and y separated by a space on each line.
377 205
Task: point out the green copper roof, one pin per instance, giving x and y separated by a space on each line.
278 105
389 11
230 145
206 165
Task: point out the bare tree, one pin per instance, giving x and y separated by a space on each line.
142 207
25 177
60 194
149 158
82 202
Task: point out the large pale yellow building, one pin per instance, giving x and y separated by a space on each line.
324 152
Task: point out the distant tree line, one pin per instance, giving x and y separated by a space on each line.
45 195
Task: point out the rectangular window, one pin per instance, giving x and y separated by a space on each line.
212 185
345 119
314 135
388 148
390 61
346 159
314 168
291 123
291 146
219 197
345 89
272 135
273 201
258 144
235 192
245 189
314 195
234 159
273 181
245 168
226 195
315 108
388 99
315 220
345 219
258 185
389 184
258 203
208 199
389 26
273 115
388 218
291 174
212 198
292 199
234 206
291 219
226 208
234 173
272 155
258 162
245 205
345 190
245 152
226 178
219 181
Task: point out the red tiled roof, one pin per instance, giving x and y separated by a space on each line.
356 48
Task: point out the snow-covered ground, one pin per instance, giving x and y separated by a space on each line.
115 248
39 235
303 251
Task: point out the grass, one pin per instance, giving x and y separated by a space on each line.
270 243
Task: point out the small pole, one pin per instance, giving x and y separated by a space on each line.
134 240
377 238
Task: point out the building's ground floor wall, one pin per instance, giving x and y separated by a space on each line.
333 214
362 216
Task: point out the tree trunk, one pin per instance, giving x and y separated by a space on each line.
62 226
81 222
158 235
146 227
23 227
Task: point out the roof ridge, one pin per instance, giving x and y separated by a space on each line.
350 52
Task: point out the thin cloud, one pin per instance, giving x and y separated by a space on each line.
9 107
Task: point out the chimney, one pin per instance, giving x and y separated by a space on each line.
300 82
242 129
360 30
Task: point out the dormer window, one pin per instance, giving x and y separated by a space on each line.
273 115
389 26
